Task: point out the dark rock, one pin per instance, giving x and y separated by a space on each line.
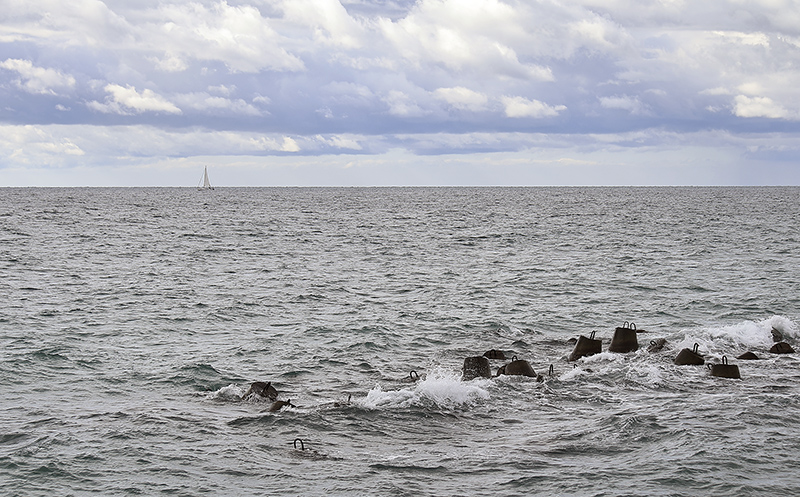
519 367
476 367
262 389
687 357
585 347
725 370
624 340
782 348
280 404
657 344
495 354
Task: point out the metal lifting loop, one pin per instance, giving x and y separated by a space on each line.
550 372
591 337
696 347
625 324
632 326
302 445
413 375
513 358
724 359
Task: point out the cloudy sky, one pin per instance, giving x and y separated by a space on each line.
399 92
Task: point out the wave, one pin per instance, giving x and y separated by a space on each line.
228 393
442 388
739 337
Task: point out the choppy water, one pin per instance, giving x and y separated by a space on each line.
134 319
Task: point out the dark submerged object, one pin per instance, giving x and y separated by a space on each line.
307 451
494 354
688 357
517 367
345 403
748 356
476 367
262 389
725 370
412 377
782 348
280 404
586 347
624 339
657 344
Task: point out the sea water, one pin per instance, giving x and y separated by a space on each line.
134 320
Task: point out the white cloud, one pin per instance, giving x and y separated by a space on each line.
170 63
329 21
753 39
596 32
479 35
462 98
126 100
36 145
38 79
400 104
214 105
169 34
223 90
745 106
239 36
751 88
289 145
716 91
349 94
340 142
73 23
261 99
522 107
624 102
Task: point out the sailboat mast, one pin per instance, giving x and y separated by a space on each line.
204 180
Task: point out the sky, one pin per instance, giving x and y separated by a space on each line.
399 92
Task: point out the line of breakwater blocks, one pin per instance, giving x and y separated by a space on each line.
479 367
625 340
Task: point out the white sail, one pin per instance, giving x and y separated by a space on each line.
206 183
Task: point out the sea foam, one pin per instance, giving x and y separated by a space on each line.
443 388
752 334
226 393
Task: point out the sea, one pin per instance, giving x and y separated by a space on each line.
134 321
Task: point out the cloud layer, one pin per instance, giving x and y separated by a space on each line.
306 78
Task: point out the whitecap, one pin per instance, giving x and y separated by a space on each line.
227 393
602 357
443 388
752 334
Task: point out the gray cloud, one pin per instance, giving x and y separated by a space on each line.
309 77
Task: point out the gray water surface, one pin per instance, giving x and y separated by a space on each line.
135 319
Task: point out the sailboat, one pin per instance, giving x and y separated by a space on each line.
204 180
